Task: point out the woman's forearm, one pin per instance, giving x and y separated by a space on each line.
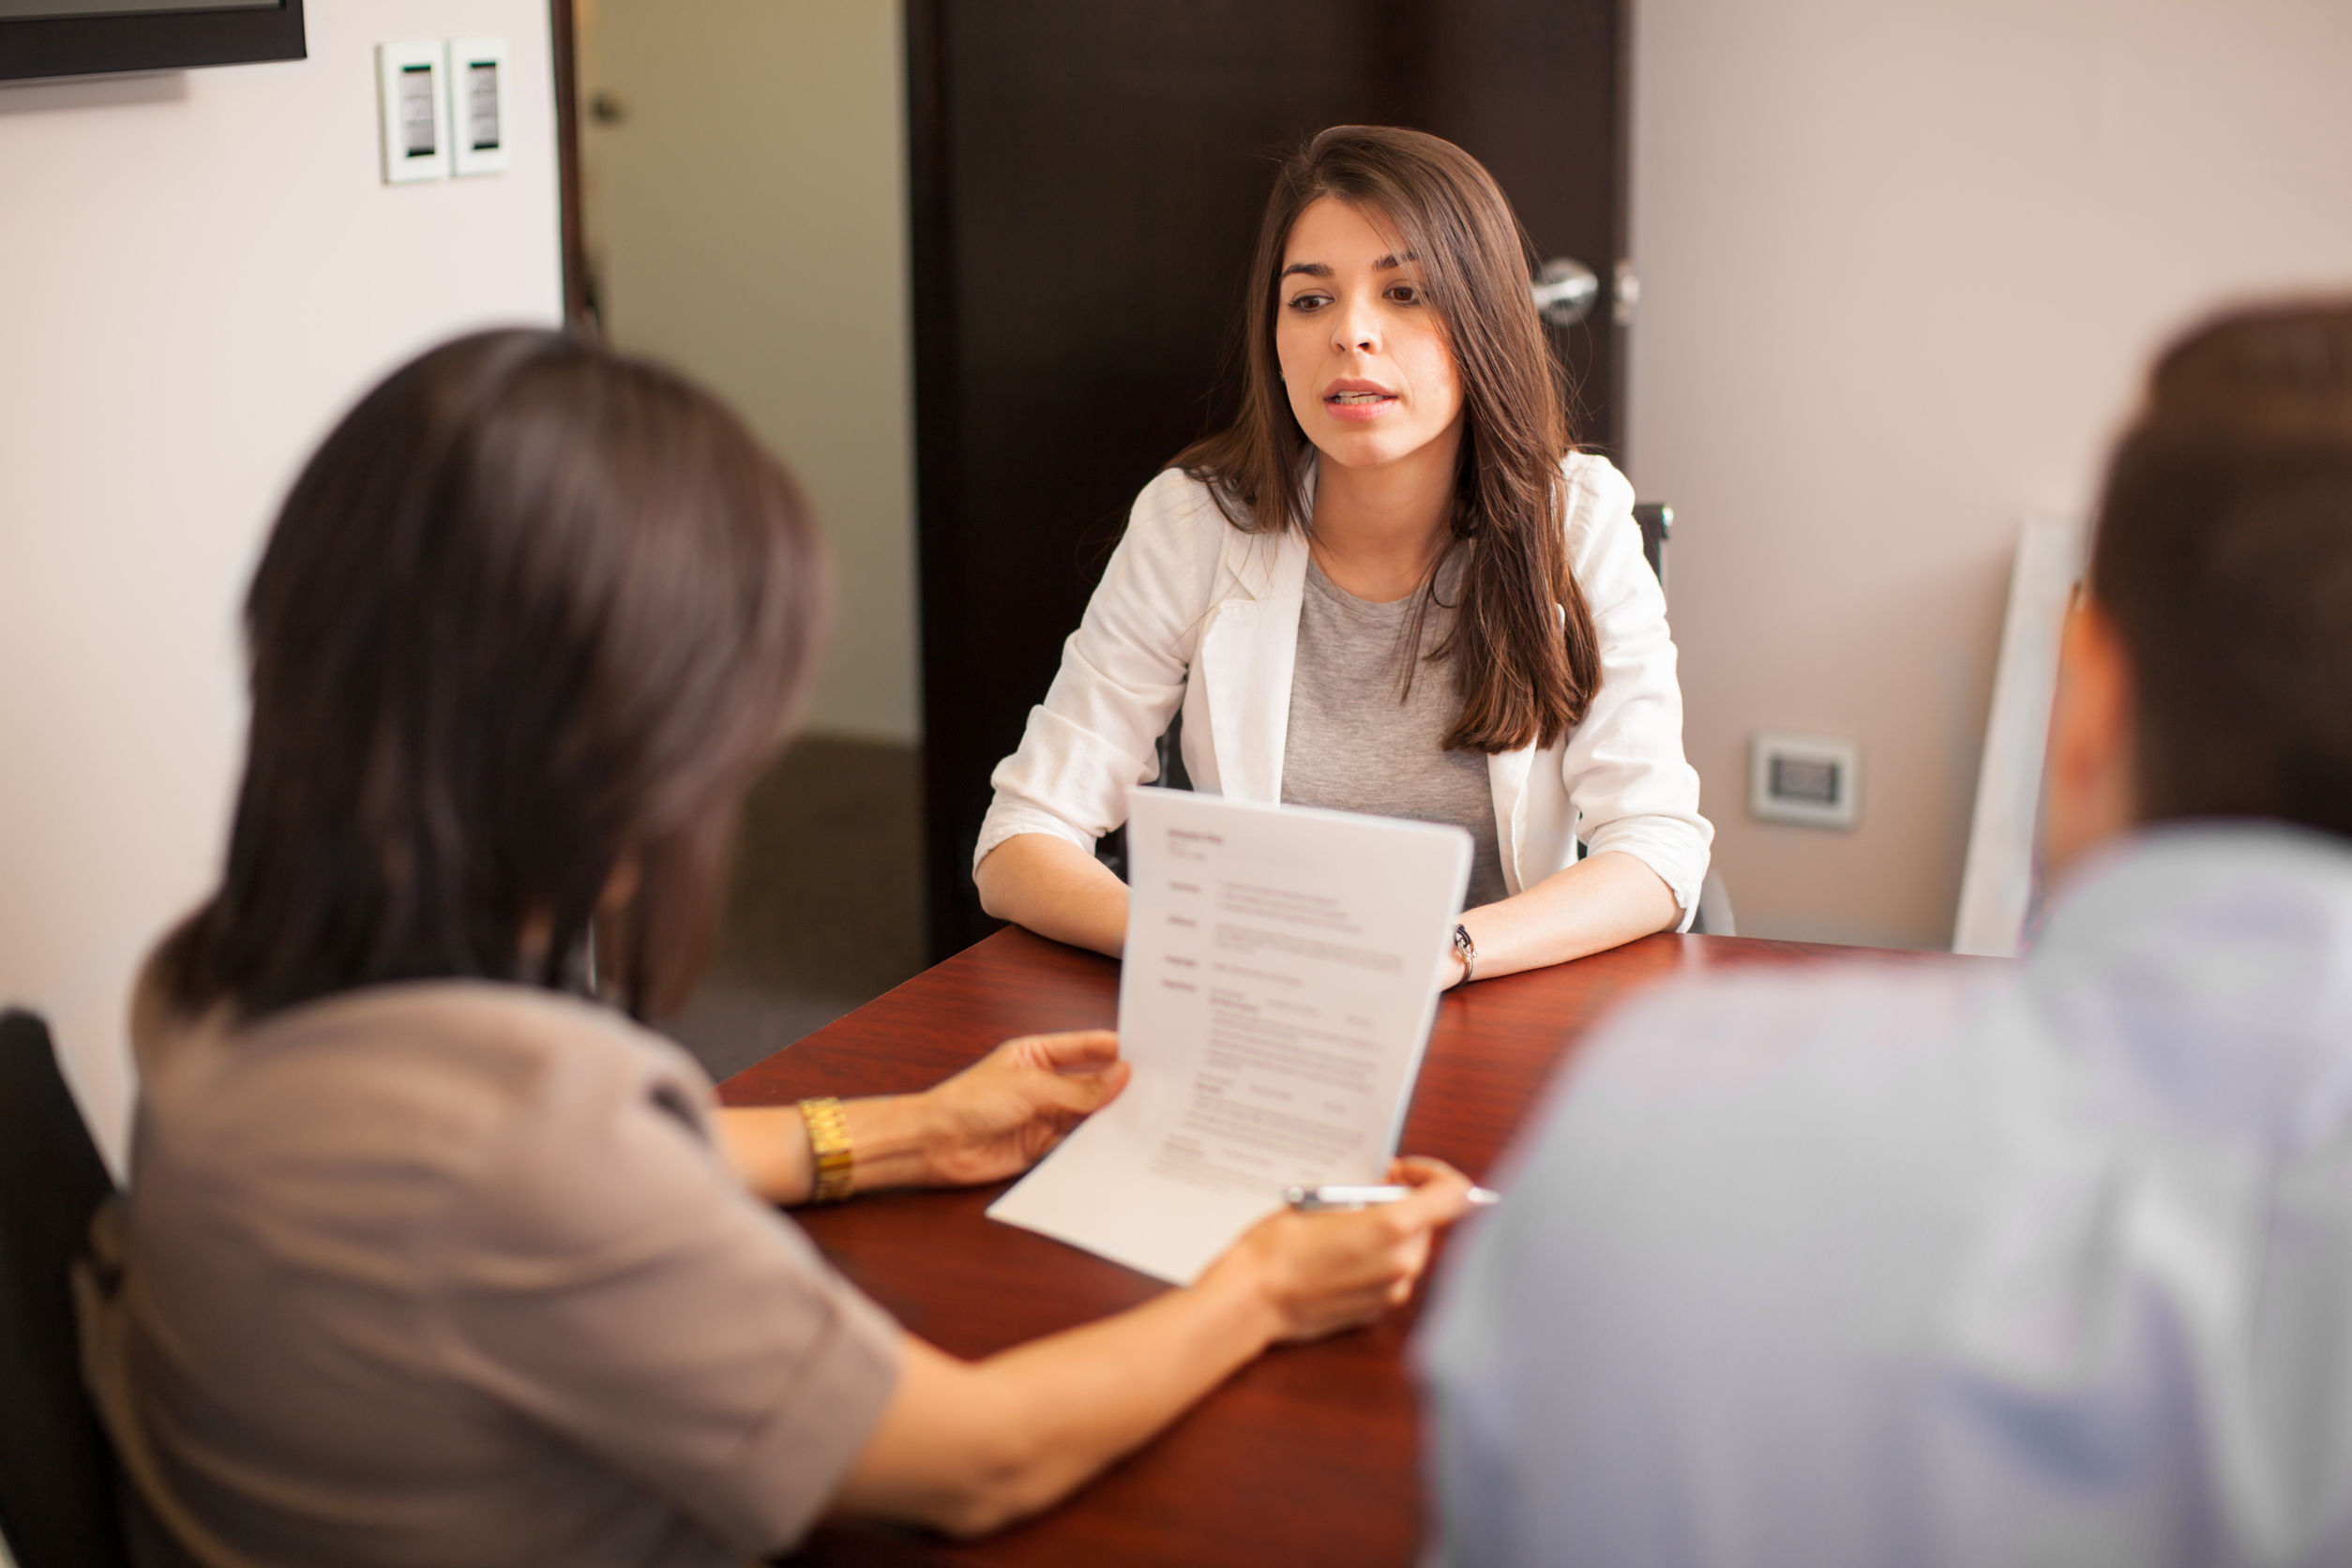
968 1447
1600 902
768 1145
1055 889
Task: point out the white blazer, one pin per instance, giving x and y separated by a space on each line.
1192 610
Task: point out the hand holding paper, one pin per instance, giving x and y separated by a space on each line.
996 1116
1276 1000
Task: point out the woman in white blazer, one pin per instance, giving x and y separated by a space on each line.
1389 586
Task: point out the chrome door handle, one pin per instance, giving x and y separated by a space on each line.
1565 291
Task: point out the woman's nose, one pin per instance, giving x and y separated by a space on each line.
1357 327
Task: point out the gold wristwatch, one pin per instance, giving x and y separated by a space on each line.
829 1145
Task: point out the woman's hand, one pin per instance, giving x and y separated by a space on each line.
1323 1272
968 1447
998 1116
991 1120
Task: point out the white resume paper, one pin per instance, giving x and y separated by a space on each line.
1280 980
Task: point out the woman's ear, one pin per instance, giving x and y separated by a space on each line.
2091 787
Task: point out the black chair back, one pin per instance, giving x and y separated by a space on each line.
57 1501
1656 519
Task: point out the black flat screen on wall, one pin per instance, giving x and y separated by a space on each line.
91 38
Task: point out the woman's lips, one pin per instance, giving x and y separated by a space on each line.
1358 405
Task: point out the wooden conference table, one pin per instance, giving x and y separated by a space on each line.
1309 1455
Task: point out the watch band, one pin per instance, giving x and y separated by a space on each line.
1468 951
829 1143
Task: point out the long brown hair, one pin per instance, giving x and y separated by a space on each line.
1526 672
534 611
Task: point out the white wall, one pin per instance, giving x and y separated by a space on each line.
200 270
1902 266
748 224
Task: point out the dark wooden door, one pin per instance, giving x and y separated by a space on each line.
1087 181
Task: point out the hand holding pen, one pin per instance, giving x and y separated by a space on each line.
1342 1196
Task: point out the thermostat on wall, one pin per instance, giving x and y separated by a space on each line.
477 105
1813 780
414 96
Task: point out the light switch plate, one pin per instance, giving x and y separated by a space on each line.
480 86
413 98
1812 779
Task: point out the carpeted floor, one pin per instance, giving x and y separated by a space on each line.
825 911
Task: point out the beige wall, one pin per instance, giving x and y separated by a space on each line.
200 270
749 221
1901 266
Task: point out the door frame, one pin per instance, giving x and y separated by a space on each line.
939 459
579 313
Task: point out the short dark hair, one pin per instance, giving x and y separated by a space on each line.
2223 557
533 611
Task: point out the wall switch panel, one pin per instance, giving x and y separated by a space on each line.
413 94
1812 779
478 84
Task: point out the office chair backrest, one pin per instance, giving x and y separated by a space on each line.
57 1502
1656 519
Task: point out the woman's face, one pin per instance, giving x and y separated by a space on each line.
1363 355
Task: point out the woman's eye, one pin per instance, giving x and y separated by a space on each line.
1405 294
1310 302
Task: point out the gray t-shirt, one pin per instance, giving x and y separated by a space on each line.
454 1273
1354 747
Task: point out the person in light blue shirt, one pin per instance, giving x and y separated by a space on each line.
2047 1262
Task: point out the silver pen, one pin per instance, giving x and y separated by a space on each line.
1310 1199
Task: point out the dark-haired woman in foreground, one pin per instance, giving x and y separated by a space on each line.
1390 586
431 1259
